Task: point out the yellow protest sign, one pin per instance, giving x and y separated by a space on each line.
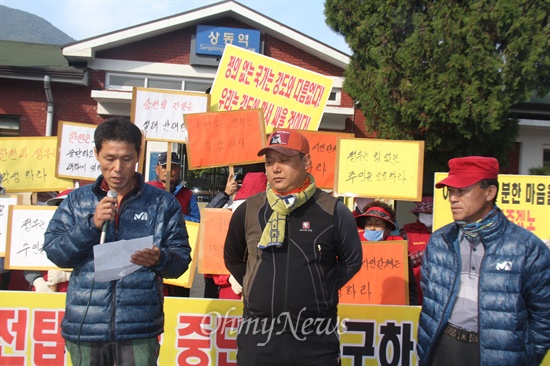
204 331
186 279
290 96
379 168
28 164
524 199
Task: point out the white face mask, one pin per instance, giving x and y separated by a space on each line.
426 219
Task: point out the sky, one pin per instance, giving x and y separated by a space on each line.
81 19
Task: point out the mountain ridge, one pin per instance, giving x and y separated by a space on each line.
21 26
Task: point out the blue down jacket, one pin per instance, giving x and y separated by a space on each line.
514 293
132 307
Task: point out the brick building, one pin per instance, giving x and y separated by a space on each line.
91 80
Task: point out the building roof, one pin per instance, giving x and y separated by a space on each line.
85 50
23 60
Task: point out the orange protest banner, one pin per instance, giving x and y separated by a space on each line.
212 233
322 148
224 138
383 278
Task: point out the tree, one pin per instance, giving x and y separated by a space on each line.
446 72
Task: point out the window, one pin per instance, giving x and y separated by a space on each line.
127 82
9 125
164 84
124 82
194 86
334 97
546 158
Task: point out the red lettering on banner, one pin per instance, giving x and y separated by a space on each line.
228 99
249 102
280 117
246 73
226 340
233 67
268 112
75 137
48 344
13 332
299 121
300 91
317 93
308 93
284 84
264 77
193 339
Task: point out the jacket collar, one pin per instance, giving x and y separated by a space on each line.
488 235
96 188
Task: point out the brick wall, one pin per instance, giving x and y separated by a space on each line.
27 99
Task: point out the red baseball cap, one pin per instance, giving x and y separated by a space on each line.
463 172
286 142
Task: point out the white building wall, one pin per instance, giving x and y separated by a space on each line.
534 137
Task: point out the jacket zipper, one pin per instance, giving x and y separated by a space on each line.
113 284
287 279
478 293
439 326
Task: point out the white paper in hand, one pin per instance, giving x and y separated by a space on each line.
112 260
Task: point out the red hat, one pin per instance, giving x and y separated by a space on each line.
463 172
424 206
56 201
286 142
252 183
379 212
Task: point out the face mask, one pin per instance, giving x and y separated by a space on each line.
426 219
373 235
39 203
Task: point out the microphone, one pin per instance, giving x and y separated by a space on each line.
114 194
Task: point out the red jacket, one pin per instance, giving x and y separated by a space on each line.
417 235
183 196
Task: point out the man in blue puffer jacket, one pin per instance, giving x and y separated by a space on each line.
117 322
486 280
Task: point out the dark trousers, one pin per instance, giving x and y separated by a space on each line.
285 348
211 290
451 352
5 281
177 291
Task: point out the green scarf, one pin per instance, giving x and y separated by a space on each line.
274 231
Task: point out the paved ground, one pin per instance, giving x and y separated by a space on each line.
197 289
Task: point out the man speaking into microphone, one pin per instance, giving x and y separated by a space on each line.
117 322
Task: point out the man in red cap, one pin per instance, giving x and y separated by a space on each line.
291 248
485 280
